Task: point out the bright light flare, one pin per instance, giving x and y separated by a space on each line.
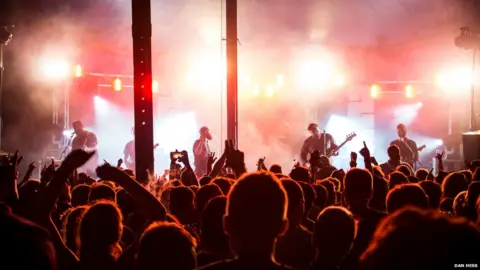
375 91
339 81
256 90
55 69
280 80
117 85
409 91
270 91
454 79
78 71
313 74
155 86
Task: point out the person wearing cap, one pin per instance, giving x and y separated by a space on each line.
316 141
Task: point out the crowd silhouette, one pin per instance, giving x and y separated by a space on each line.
378 217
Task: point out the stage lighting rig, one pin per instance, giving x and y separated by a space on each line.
469 39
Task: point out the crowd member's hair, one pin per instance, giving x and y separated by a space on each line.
256 212
194 188
476 175
396 178
100 230
223 183
212 236
413 179
296 202
333 236
440 177
446 205
377 172
25 245
321 196
205 180
335 182
80 195
70 227
331 191
421 174
276 168
309 195
176 183
405 170
189 178
419 239
472 197
468 175
393 152
338 174
300 174
433 191
358 187
459 204
166 246
181 203
101 192
406 194
206 193
453 184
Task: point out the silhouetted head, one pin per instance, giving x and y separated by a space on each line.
300 173
421 174
453 184
206 193
396 178
70 227
321 196
460 204
182 203
468 175
325 161
80 195
380 190
476 175
101 192
205 133
256 213
166 246
275 168
189 178
205 180
78 127
25 245
296 202
433 191
420 239
309 195
330 189
472 197
100 230
393 153
223 183
212 236
401 130
313 128
406 194
405 170
358 187
333 235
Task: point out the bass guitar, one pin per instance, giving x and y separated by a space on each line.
334 151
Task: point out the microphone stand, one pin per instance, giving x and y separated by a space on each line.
66 146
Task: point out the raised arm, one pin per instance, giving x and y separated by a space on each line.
146 200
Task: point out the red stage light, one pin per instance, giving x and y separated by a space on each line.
374 91
117 85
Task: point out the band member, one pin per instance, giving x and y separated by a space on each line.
201 151
129 153
85 140
408 148
323 142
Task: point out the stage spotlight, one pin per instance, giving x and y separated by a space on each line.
454 79
280 80
374 91
155 86
419 104
117 85
339 81
270 91
55 69
438 142
67 132
78 71
256 90
409 91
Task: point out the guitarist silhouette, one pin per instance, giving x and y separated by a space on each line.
322 142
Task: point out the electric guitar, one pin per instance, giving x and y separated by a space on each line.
334 151
412 160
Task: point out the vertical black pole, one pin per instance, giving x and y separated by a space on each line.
232 72
142 80
1 90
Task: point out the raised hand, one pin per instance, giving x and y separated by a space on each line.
261 163
211 159
119 163
184 158
365 152
374 161
235 157
108 172
76 159
439 155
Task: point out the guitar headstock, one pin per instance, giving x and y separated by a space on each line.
351 136
421 148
